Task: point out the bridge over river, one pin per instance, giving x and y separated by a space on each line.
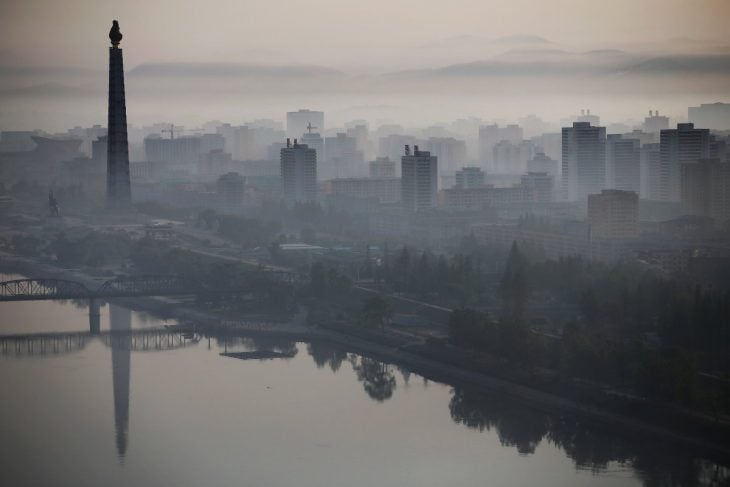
35 289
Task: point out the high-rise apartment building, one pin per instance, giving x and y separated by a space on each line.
682 145
584 160
623 163
419 179
298 173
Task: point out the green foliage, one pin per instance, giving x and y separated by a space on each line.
93 249
27 245
248 232
514 286
376 311
327 282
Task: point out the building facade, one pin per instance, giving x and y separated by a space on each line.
584 161
419 180
298 165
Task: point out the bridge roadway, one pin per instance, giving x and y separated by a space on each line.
140 340
35 289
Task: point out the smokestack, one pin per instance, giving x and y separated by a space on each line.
288 143
415 150
588 112
582 112
408 150
650 113
295 142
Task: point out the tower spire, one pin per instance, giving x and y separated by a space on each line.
118 192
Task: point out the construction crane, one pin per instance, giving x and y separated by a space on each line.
171 131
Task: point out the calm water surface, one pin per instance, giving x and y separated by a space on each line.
98 412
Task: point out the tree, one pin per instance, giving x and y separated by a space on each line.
377 311
514 286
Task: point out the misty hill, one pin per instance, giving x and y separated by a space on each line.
230 70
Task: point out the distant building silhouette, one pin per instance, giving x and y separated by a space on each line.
297 122
584 160
118 187
382 167
470 177
714 116
542 163
655 123
230 189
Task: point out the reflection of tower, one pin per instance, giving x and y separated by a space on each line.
118 192
120 321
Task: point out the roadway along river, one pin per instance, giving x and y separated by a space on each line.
93 411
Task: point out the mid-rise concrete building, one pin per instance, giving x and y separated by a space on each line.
384 189
543 163
230 189
470 177
614 214
382 167
705 188
542 185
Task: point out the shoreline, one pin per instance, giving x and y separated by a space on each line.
428 367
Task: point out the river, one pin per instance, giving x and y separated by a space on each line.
92 411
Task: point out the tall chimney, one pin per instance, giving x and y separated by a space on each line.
288 143
408 150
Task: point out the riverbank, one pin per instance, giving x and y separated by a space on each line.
423 361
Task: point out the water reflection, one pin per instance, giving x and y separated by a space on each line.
589 446
120 321
325 354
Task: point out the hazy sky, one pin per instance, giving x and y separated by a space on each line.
343 31
388 54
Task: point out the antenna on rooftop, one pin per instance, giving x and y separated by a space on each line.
310 127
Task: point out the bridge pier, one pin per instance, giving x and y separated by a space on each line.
94 317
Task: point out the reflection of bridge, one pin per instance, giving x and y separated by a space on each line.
121 287
142 340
